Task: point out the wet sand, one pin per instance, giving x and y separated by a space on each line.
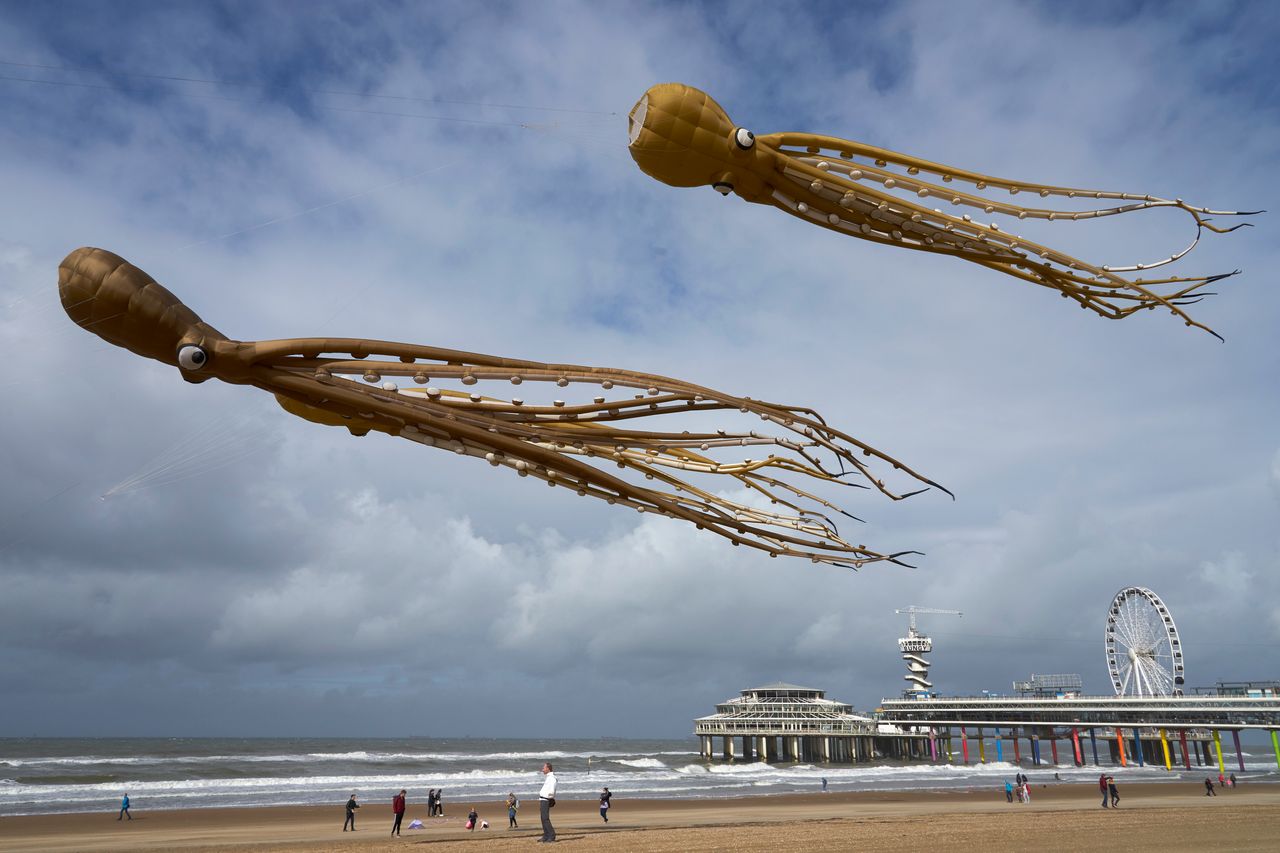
1152 817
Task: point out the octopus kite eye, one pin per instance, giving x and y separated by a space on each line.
192 357
744 138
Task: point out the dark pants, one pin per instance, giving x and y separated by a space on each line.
1115 798
544 809
351 821
1104 799
124 812
395 827
511 819
604 813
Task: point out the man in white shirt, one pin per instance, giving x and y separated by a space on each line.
547 799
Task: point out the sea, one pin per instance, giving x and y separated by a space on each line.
54 775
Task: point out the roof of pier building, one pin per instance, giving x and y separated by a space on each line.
783 709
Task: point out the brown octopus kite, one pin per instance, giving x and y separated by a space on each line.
682 137
350 382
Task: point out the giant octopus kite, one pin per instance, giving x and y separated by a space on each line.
350 382
682 137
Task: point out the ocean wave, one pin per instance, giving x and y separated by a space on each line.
639 762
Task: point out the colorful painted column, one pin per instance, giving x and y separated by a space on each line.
1120 745
1164 742
933 746
1235 736
982 747
1075 747
1275 745
1035 749
1217 746
1186 758
1093 741
1137 747
1017 750
1053 747
964 744
999 747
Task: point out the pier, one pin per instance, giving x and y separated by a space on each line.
1153 730
784 722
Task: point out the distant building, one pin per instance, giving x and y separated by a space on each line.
1065 686
786 722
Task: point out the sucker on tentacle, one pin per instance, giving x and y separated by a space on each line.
349 382
682 137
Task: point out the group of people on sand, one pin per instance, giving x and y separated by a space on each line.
1223 782
546 801
1107 785
1021 787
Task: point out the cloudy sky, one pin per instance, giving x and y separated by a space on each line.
456 174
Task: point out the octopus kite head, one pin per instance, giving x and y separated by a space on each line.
682 137
121 304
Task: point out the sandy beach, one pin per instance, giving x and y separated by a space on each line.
1060 817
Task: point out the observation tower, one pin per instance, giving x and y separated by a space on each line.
913 646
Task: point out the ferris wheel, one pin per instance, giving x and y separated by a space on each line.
1144 653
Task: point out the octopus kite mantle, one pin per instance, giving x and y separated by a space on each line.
340 381
682 137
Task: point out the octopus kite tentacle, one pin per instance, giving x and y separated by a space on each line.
350 382
682 137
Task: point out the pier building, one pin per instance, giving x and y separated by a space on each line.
786 722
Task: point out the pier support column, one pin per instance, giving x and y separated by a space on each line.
964 744
1217 746
1275 745
826 750
728 748
708 749
1186 757
933 746
999 747
1235 736
1164 742
1093 741
982 747
1077 754
1120 746
1053 747
1035 749
1017 750
1137 747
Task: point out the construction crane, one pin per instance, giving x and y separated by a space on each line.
913 646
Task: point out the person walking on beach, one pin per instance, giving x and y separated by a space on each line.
513 806
472 819
1008 791
1115 793
1102 786
1222 781
1232 778
824 784
439 802
546 802
352 805
1208 787
605 796
431 803
397 806
124 809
